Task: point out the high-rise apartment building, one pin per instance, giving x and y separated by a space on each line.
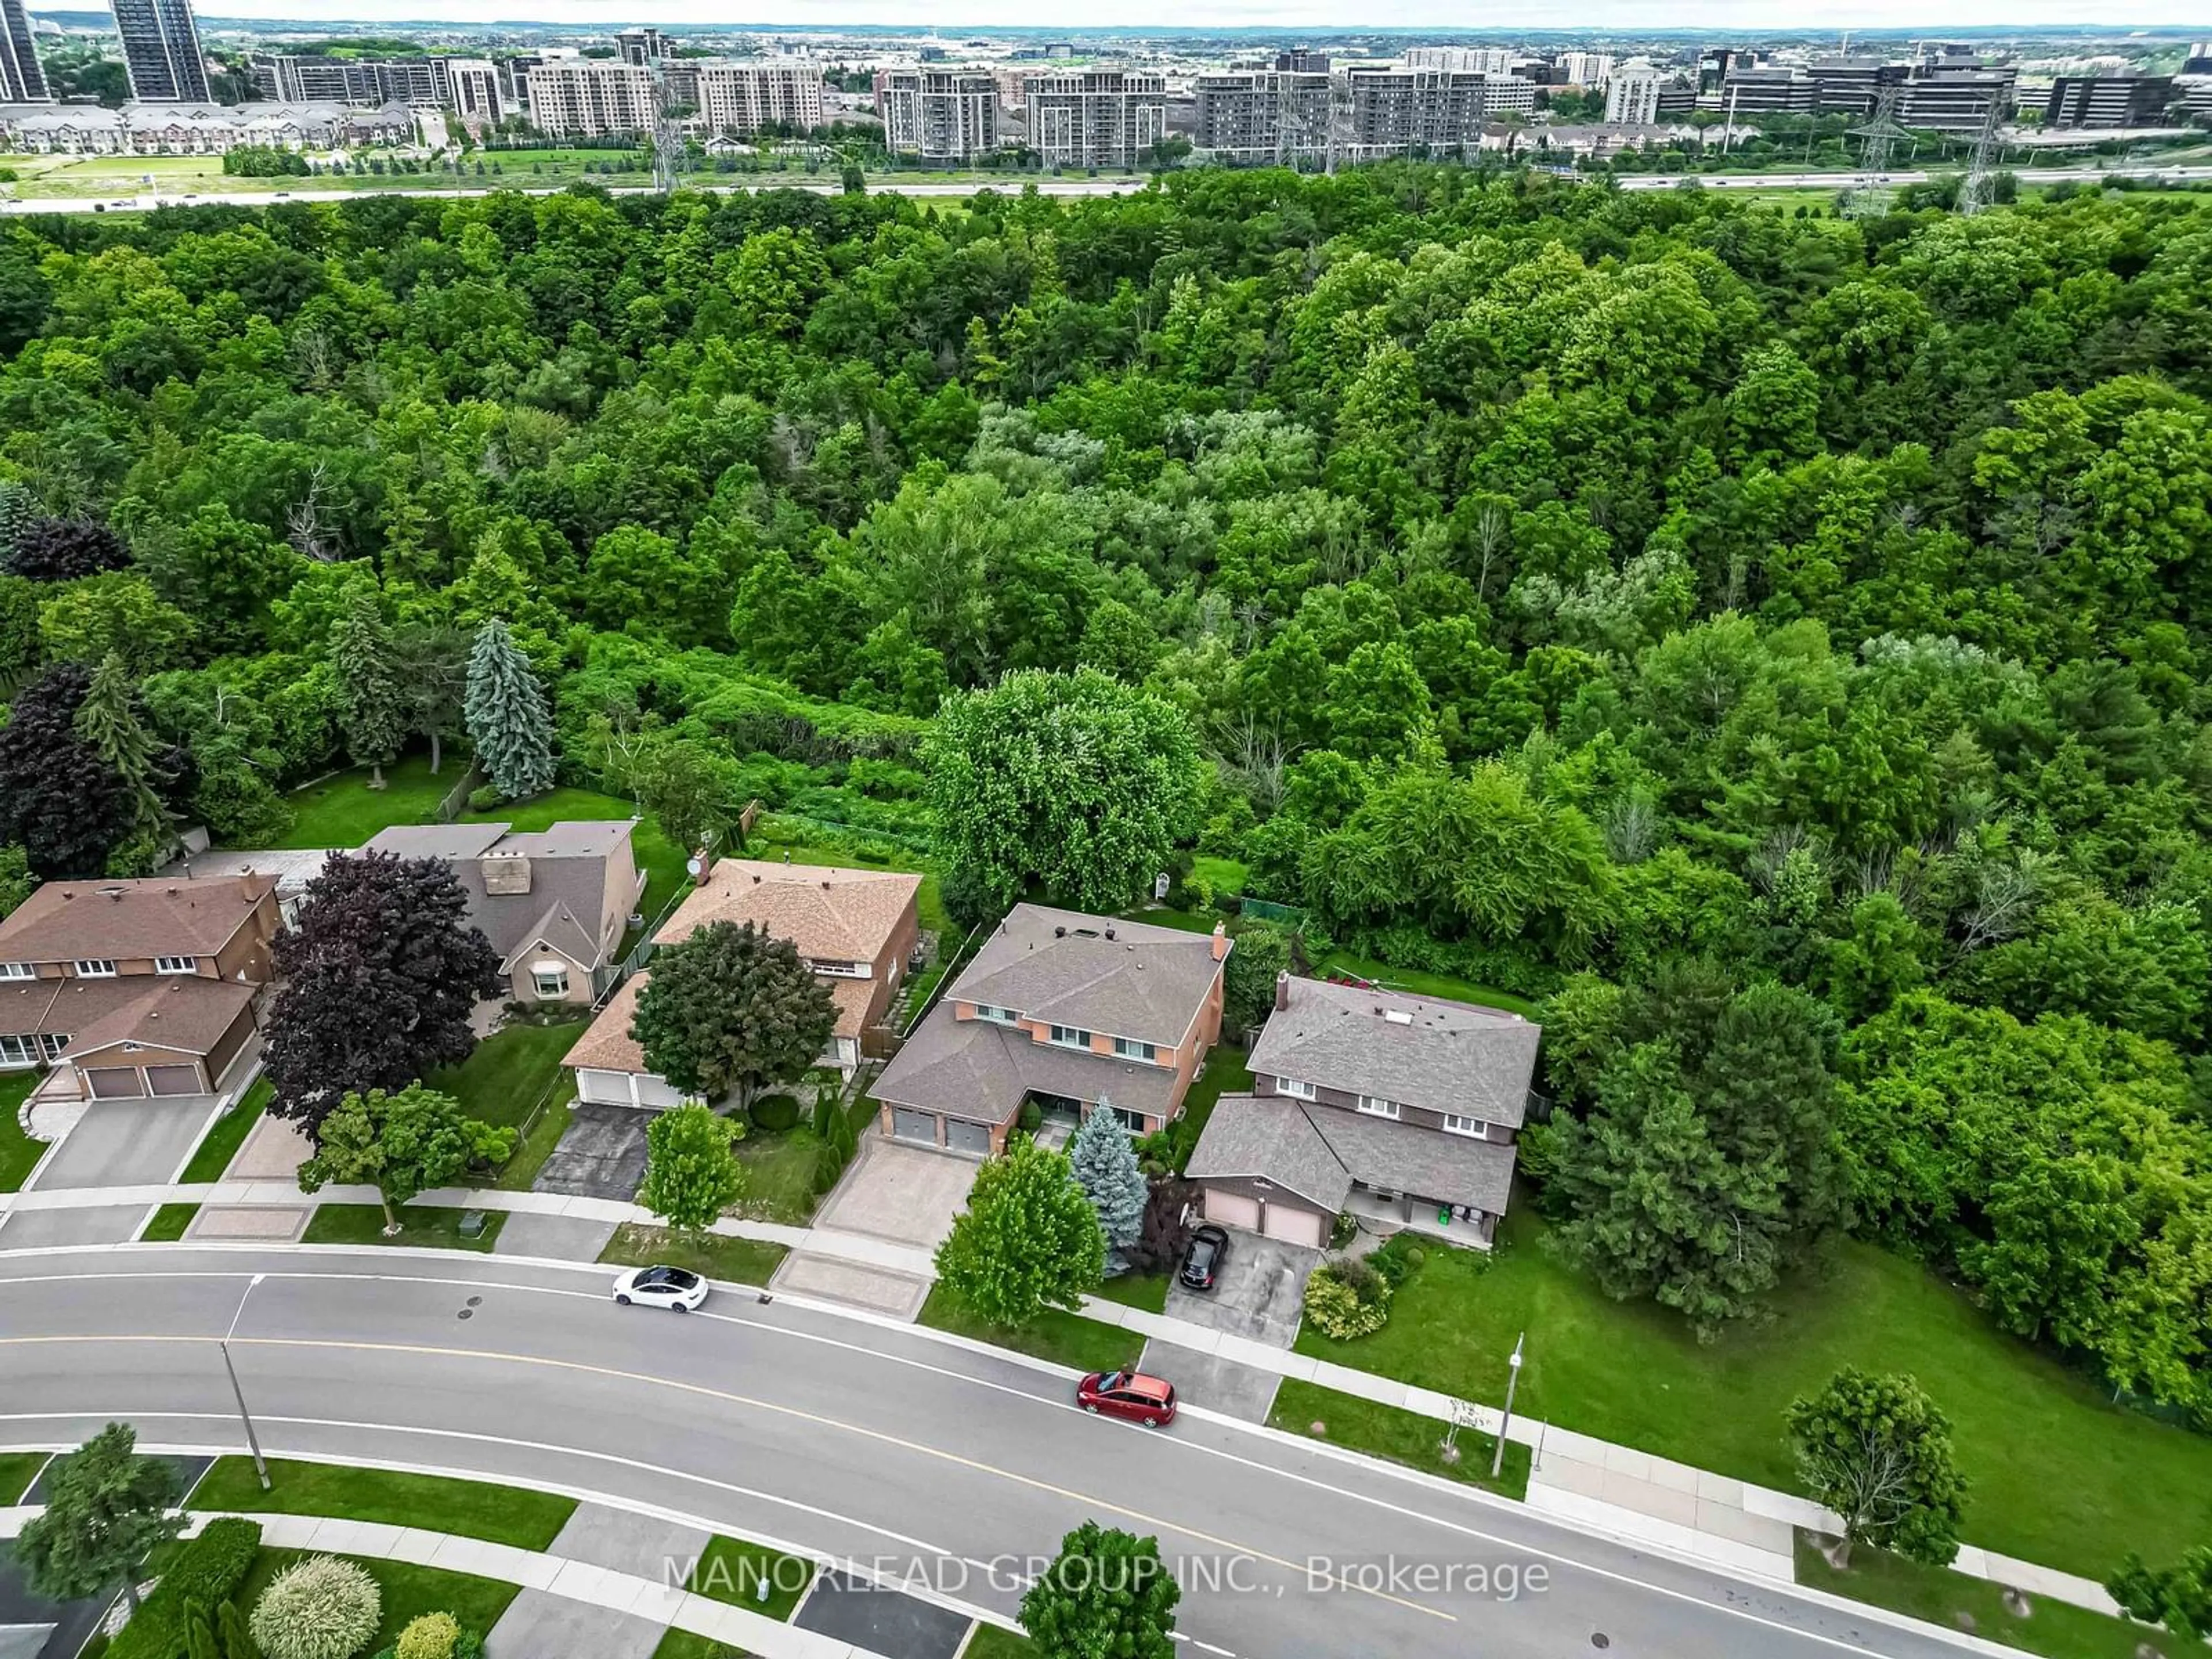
740 99
1097 117
1464 60
1404 109
1633 96
641 47
1586 69
2108 102
1262 117
590 97
161 51
1300 60
939 115
23 78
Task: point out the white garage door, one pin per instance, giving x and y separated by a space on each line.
1294 1226
174 1079
1232 1209
603 1088
654 1090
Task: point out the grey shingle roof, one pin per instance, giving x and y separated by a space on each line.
977 1069
1318 1152
1446 1056
1126 978
568 872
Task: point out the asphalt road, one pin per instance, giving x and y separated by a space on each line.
131 202
908 1456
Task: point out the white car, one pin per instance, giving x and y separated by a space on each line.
661 1287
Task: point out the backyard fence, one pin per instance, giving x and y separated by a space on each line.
1290 916
458 796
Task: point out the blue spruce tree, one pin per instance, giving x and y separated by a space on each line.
505 709
1105 1165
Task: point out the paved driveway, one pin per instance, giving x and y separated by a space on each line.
128 1142
601 1154
1260 1293
903 1194
880 1620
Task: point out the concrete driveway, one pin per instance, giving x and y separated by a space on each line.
1260 1293
601 1154
903 1194
128 1142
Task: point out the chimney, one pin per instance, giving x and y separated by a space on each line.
705 856
1220 940
1283 991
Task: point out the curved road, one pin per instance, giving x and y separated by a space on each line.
909 1455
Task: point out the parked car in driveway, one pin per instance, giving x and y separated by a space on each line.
661 1287
1201 1263
1141 1399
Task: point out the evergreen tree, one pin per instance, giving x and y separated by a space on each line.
507 721
237 1639
107 720
1104 1160
371 708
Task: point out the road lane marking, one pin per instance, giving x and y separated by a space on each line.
584 1367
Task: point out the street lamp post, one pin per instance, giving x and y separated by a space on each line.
252 1440
1512 1382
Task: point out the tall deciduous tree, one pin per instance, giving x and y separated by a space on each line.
1877 1451
1071 779
1104 1163
1248 979
729 1012
1106 1596
1029 1239
379 977
508 720
691 1175
63 549
107 1508
692 793
64 804
401 1144
372 703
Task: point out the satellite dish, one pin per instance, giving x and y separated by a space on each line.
693 865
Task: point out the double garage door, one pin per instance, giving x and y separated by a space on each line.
137 1082
1287 1221
960 1136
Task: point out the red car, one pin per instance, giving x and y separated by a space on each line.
1147 1400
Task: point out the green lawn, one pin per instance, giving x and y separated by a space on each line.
344 811
1414 983
17 1471
734 1570
780 1165
537 1144
1148 1291
683 1644
1225 876
990 1642
740 1261
1401 1437
168 1224
2058 1476
1959 1602
1067 1339
470 1508
18 1153
409 1592
213 1155
507 1073
422 1225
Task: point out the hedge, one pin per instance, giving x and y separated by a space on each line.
205 1571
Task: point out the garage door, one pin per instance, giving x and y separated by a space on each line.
175 1080
973 1138
913 1126
1294 1226
652 1089
599 1088
1232 1209
115 1082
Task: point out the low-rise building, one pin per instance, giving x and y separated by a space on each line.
140 128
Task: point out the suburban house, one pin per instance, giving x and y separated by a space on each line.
135 988
1399 1110
1067 1010
856 929
554 902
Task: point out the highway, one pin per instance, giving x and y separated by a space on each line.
1114 186
914 1458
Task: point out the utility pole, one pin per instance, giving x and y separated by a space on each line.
1512 1382
252 1440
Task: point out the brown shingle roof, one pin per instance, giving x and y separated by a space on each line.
183 1012
606 1044
116 920
841 915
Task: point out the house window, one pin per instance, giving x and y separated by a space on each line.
1376 1107
1068 1037
996 1015
17 971
95 968
1133 1122
837 970
550 982
176 964
19 1051
1456 1125
1295 1087
55 1041
1130 1048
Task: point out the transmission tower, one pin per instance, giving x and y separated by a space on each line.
1975 194
667 129
1877 140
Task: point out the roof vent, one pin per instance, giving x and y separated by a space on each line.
1060 933
113 894
825 886
1109 933
1397 1017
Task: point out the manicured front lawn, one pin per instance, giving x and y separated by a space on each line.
685 1645
732 1569
2058 1476
213 1155
168 1224
1413 982
17 1471
1148 1291
425 1226
741 1260
780 1165
1067 1339
990 1642
537 1144
470 1508
507 1073
1401 1437
18 1153
409 1592
1959 1602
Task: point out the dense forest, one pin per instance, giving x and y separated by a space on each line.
1773 641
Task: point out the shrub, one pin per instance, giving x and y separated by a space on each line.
1395 1260
324 1608
1032 1117
485 798
204 1572
1343 1230
432 1636
1346 1298
775 1112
